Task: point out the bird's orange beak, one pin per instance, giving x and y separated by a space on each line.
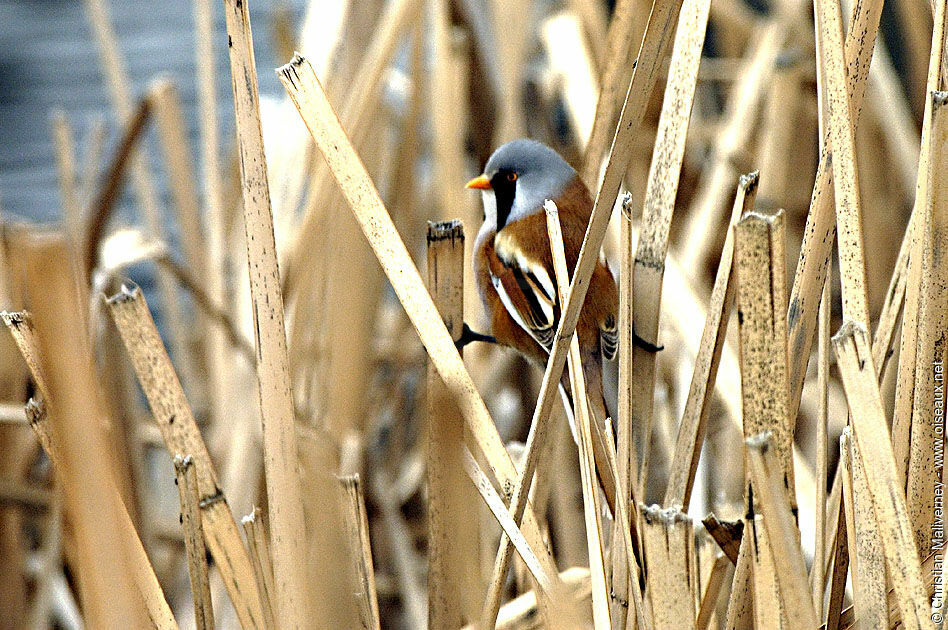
480 182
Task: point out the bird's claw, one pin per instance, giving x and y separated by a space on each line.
468 336
645 345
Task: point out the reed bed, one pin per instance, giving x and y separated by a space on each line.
769 190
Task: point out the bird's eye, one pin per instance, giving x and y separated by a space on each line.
511 177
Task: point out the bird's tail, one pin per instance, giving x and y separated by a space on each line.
592 369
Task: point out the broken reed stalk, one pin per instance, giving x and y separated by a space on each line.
180 433
452 534
592 510
709 599
259 547
873 445
668 541
104 558
760 260
186 480
301 83
866 559
21 328
357 530
280 454
694 419
770 499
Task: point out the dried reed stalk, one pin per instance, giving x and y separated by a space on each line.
107 196
817 570
454 585
616 74
627 522
743 105
740 605
779 126
64 144
120 92
104 558
694 418
923 479
592 509
186 480
769 609
259 548
866 559
875 448
21 328
916 387
280 453
660 195
820 227
845 181
211 186
760 260
303 86
668 540
180 433
91 159
357 530
837 578
770 499
712 590
173 133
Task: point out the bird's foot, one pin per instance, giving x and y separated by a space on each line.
645 345
468 336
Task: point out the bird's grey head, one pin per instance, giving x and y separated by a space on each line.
522 174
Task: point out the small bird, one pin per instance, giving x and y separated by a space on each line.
513 265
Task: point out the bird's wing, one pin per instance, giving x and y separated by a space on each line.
526 289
